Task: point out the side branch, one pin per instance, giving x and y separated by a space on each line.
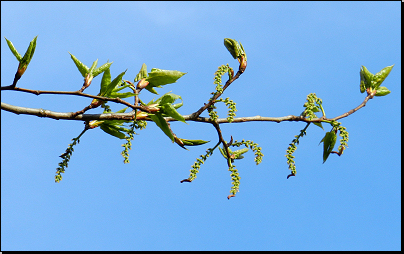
204 107
66 116
370 96
78 93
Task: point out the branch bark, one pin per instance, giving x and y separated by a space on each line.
131 116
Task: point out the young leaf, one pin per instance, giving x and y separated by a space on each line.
189 142
82 67
329 140
142 73
13 50
151 89
105 81
381 76
121 95
318 124
382 91
223 152
165 103
362 85
235 48
102 68
93 66
178 105
238 153
162 124
168 98
232 46
158 78
366 77
122 110
111 130
170 110
26 59
113 84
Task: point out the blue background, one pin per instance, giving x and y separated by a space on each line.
352 202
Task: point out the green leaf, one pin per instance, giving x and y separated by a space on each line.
162 124
122 110
101 69
171 111
113 84
26 59
121 95
13 50
142 73
158 78
329 140
235 48
232 46
123 85
151 89
112 130
318 124
379 77
84 70
362 85
178 105
165 103
223 152
105 81
382 91
238 153
168 98
190 142
366 77
93 66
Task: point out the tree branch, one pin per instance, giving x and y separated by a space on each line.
131 116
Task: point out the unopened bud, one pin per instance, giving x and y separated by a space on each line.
87 81
140 115
94 123
243 63
153 108
96 103
232 46
142 84
21 69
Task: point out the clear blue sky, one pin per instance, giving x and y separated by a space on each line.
352 202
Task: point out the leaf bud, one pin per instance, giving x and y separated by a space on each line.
140 115
232 47
381 76
87 81
94 123
243 63
366 77
142 84
153 108
96 103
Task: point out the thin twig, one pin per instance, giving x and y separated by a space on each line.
370 96
78 93
205 106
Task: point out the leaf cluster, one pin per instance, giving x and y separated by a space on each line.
371 82
23 61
